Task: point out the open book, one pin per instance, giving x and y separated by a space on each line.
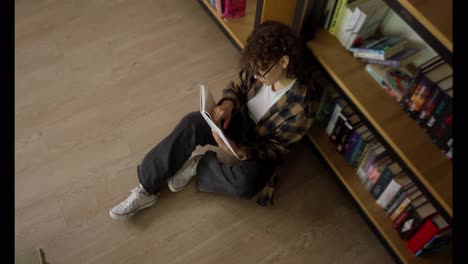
207 103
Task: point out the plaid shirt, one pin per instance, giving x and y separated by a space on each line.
286 122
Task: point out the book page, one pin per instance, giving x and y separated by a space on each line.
207 103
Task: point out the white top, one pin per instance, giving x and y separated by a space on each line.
264 99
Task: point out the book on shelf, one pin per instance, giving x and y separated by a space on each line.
424 67
207 103
353 141
337 16
339 123
417 202
399 181
424 87
234 9
402 58
381 50
337 107
433 99
359 155
415 219
396 204
375 170
350 124
395 81
360 20
328 13
384 179
437 242
377 152
434 227
411 193
444 105
219 4
441 132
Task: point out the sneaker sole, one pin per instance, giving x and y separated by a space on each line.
126 216
171 185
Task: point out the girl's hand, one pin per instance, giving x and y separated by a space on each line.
222 113
224 147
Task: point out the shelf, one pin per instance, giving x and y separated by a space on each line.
410 142
238 29
367 203
435 15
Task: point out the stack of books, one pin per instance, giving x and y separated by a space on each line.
387 51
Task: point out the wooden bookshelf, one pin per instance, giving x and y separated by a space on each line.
367 203
240 28
258 11
410 142
436 16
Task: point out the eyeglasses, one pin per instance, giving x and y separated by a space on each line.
255 71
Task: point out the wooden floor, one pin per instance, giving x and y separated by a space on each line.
98 83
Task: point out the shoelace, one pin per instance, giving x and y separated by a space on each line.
133 196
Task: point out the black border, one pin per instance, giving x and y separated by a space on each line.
460 182
8 37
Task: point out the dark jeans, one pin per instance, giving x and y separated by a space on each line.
243 180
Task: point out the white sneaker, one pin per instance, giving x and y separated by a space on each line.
183 176
138 199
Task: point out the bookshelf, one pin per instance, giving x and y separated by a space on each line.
428 165
432 19
238 30
366 202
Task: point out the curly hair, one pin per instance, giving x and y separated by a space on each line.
268 42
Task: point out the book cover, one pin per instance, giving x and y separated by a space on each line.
433 99
367 18
351 123
374 171
445 103
437 242
426 66
361 156
399 181
234 9
338 106
402 58
380 51
424 87
409 211
384 179
354 140
432 226
337 16
374 154
399 197
415 219
395 81
207 103
412 193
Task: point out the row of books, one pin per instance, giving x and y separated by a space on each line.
425 94
412 215
429 100
229 9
